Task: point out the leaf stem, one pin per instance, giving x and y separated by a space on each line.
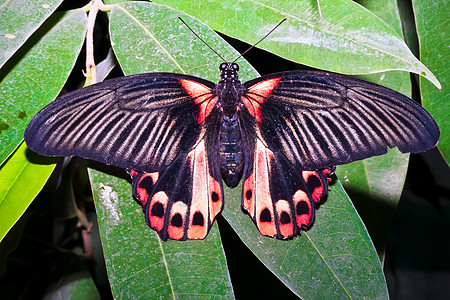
91 71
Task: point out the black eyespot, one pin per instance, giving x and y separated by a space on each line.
249 194
177 220
265 216
302 208
214 197
157 210
198 219
285 218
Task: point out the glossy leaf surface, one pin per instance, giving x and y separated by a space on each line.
348 39
432 30
21 179
20 18
36 74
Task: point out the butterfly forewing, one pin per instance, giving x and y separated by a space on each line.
139 122
322 119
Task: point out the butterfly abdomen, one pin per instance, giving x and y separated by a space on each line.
230 150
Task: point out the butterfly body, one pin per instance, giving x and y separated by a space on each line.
229 91
280 135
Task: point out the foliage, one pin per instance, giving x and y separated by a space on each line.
335 259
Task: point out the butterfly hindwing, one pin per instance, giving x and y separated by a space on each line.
181 202
320 119
280 199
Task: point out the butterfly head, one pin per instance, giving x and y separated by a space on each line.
228 71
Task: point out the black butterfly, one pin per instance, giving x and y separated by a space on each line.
180 135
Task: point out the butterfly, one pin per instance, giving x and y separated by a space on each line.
179 136
281 134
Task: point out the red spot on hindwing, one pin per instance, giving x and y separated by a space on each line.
177 219
257 94
285 222
303 208
157 210
315 185
145 185
215 195
202 96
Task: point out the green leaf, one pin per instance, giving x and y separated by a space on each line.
144 45
36 73
333 260
140 265
432 30
19 19
21 179
375 185
349 39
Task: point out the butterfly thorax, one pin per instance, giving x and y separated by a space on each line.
229 89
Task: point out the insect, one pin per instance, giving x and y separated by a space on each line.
179 136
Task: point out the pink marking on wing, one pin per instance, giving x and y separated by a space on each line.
257 94
202 95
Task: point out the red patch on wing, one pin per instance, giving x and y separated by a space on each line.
257 94
198 227
263 205
177 220
157 210
142 185
207 196
133 173
285 221
319 190
202 96
215 194
303 208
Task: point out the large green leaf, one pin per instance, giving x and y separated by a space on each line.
143 45
19 19
348 39
21 179
375 184
36 73
432 30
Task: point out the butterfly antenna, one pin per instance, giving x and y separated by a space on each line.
202 39
253 46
